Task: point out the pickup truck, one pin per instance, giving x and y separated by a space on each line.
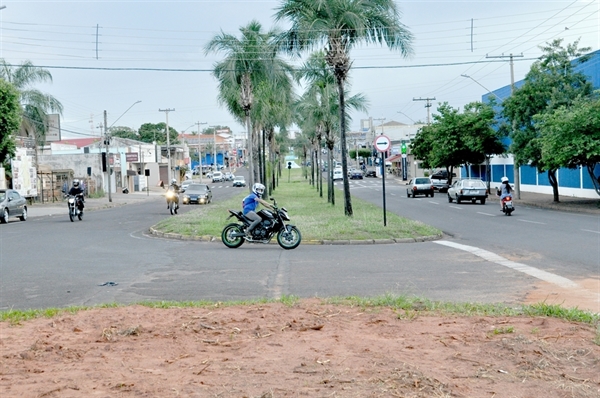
440 180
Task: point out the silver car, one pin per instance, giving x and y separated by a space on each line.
419 186
468 189
12 204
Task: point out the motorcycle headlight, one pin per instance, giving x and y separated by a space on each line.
71 200
284 215
186 196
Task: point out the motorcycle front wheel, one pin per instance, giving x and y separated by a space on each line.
230 237
71 216
289 237
172 207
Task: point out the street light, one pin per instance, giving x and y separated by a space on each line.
485 88
107 143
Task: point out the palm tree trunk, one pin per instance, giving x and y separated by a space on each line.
347 201
249 155
320 172
330 193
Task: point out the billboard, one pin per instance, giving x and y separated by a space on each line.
53 131
24 172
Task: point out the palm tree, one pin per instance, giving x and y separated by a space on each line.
340 25
36 105
250 59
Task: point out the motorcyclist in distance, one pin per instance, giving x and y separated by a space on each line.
175 188
505 190
77 191
250 203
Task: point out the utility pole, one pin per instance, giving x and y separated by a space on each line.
516 166
199 150
168 143
428 105
107 142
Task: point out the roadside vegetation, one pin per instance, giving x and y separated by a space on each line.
317 219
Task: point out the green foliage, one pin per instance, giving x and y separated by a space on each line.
10 120
125 132
550 84
149 132
456 138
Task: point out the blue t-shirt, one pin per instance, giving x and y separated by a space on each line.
250 203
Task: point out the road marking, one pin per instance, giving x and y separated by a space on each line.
589 230
456 207
486 214
532 271
435 203
533 222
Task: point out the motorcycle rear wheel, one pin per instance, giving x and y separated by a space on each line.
79 216
172 207
230 241
289 238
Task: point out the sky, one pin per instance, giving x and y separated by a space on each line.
106 55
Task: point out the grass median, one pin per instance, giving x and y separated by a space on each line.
317 219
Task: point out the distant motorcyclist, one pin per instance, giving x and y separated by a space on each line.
77 191
250 203
175 187
504 191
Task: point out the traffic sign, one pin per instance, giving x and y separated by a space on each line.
382 143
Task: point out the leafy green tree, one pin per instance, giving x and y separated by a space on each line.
249 60
550 83
125 132
570 136
456 138
10 120
36 105
340 25
150 132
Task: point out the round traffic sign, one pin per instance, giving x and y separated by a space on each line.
382 143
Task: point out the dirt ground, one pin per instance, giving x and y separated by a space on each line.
309 349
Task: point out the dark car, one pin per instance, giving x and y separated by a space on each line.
419 186
441 175
197 193
12 204
356 175
371 173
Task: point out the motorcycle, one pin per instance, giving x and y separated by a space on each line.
272 223
507 205
74 204
172 200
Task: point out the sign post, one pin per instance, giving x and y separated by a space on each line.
382 144
404 162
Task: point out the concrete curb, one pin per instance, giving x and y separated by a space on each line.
209 238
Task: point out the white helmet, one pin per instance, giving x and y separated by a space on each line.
504 179
258 189
76 183
173 181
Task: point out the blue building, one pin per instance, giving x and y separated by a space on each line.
572 182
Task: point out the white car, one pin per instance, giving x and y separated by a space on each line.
338 174
217 176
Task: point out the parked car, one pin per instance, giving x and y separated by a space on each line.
419 186
338 174
441 175
356 175
468 189
12 204
197 193
217 176
239 181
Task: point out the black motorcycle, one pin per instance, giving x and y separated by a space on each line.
272 223
74 202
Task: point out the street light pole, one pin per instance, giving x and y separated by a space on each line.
168 144
199 149
214 145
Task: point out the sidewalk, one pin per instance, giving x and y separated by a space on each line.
118 199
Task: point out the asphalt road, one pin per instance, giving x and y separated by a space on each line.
51 262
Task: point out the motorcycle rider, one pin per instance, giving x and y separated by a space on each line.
504 191
250 203
175 188
77 191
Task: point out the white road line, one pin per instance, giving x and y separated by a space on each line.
486 214
533 222
456 207
435 203
532 271
589 230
